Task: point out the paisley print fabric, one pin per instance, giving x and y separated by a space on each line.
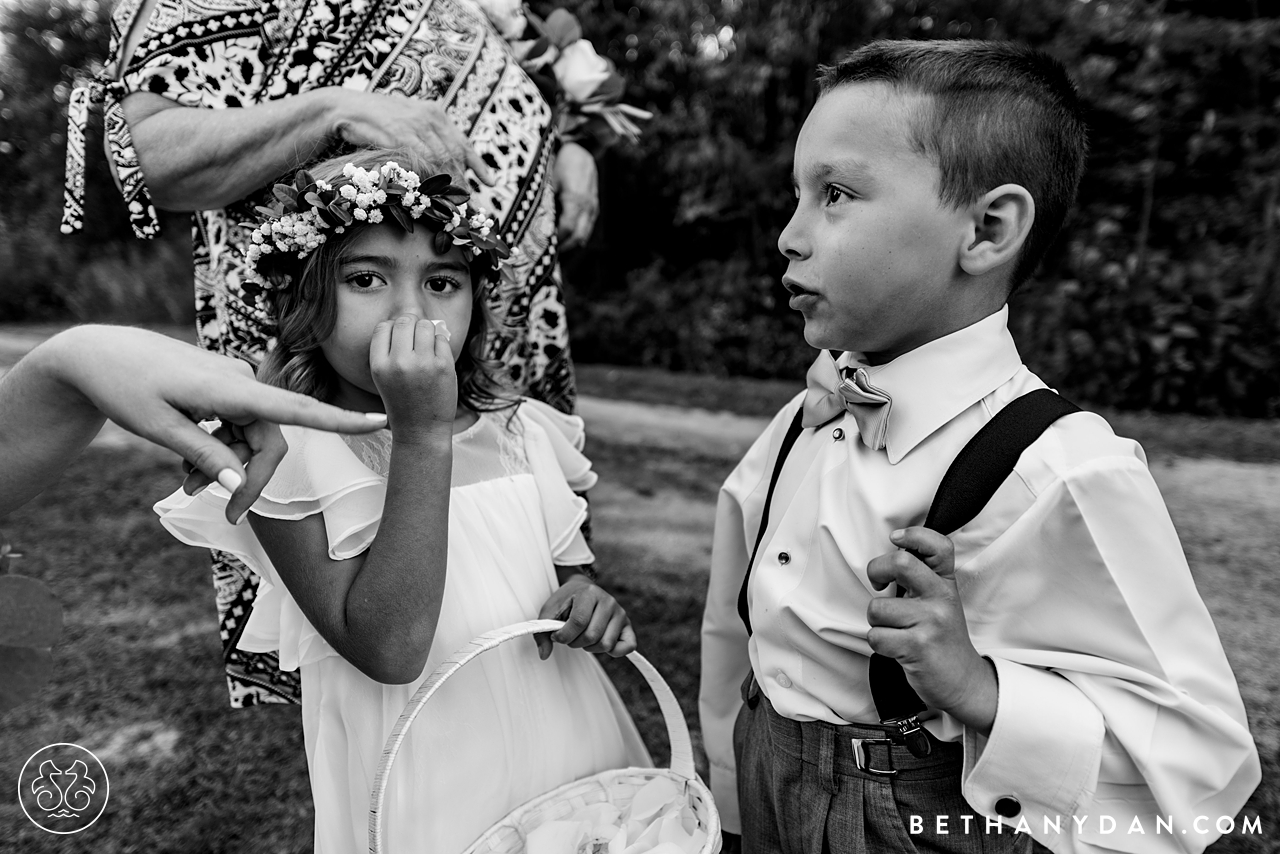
215 54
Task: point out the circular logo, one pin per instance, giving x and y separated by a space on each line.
63 788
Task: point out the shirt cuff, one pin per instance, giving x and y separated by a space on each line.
1039 714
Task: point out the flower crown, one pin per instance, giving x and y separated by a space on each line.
295 225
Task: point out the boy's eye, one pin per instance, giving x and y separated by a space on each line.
832 194
364 281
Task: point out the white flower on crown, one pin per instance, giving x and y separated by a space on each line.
302 231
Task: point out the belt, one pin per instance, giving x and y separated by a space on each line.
879 749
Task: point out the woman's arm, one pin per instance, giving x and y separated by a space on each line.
54 401
201 159
379 610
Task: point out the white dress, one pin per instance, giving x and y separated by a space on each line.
505 728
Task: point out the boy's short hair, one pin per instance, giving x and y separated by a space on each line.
1001 113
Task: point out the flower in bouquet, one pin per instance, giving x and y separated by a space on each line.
580 71
507 17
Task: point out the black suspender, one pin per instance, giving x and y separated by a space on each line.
793 431
977 472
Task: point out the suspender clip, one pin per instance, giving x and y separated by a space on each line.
908 731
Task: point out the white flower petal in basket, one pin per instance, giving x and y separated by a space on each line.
557 837
618 787
653 798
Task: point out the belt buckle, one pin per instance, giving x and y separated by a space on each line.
860 756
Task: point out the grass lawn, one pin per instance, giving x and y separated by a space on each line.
138 669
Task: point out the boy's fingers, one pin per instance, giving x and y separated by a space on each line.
888 642
905 569
892 612
935 549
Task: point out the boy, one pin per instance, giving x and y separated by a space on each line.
1076 690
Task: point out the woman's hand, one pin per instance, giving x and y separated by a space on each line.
577 183
594 620
412 368
53 402
366 119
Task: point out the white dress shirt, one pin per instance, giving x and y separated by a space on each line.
1115 697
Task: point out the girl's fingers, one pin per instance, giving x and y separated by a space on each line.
601 614
612 632
626 642
440 340
576 622
380 344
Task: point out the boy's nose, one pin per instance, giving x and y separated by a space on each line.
791 242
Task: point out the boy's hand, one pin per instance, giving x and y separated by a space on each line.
926 631
412 368
594 620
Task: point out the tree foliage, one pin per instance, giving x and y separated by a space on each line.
1162 292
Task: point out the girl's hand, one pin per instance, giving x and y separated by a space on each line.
412 368
594 620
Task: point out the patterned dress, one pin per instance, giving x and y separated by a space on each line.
214 54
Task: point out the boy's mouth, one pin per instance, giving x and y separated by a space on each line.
795 288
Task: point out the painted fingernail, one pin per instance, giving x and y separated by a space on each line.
230 479
243 516
376 417
441 327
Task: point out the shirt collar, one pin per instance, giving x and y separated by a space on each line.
935 382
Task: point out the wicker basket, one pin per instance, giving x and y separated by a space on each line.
617 786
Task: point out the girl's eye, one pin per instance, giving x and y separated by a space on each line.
442 285
364 281
832 194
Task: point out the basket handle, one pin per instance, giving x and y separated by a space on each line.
677 728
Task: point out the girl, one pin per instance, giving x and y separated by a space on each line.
380 555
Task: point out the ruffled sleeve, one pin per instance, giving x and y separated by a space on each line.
553 443
319 474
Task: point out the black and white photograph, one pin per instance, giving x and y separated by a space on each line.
639 426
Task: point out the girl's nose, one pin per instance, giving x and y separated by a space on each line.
792 242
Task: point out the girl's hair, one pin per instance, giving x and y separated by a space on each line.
304 311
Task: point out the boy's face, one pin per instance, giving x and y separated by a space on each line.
873 251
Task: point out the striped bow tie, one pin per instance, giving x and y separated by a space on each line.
831 390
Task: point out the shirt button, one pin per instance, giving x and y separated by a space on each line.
837 434
784 558
783 680
1008 806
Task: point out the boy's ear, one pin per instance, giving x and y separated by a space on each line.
1001 221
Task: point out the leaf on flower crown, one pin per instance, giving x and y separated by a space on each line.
285 194
442 242
401 216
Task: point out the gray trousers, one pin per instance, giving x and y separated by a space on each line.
808 788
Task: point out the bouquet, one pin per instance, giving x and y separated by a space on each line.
583 87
